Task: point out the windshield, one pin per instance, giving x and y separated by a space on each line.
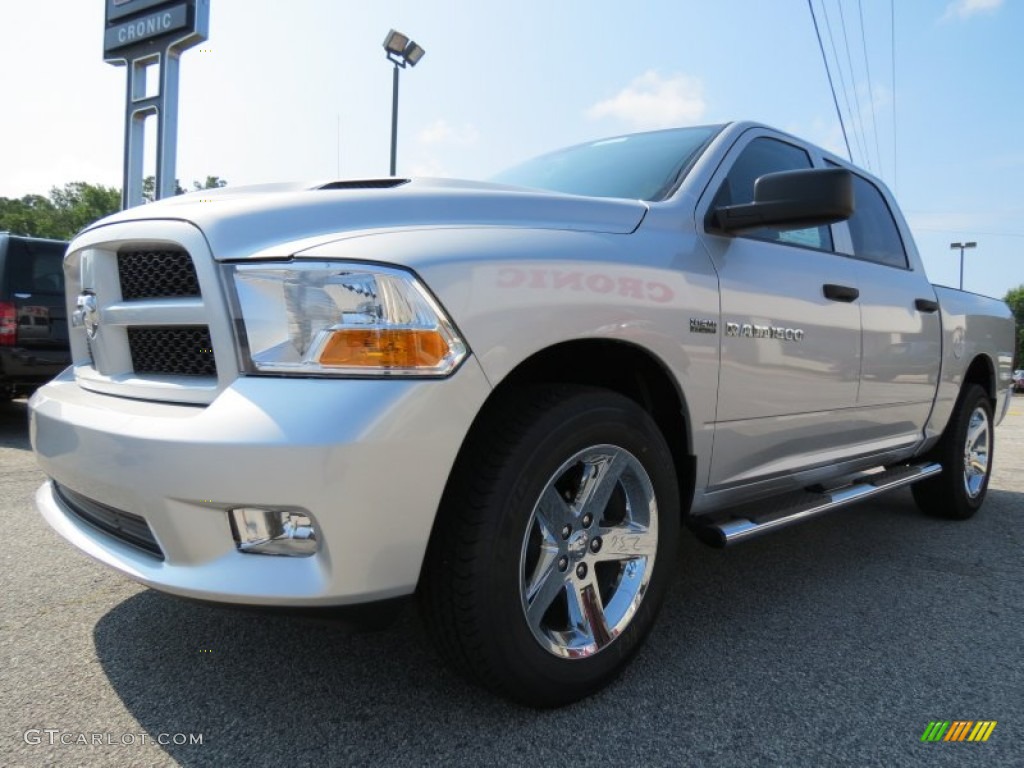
641 166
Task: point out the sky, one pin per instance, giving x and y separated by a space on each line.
930 92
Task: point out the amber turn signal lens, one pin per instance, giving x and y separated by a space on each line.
384 348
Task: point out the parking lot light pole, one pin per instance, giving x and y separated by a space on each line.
402 52
954 246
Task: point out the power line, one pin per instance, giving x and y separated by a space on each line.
853 85
831 85
968 231
839 69
871 90
892 25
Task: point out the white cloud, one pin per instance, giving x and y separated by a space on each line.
440 132
998 222
825 132
653 101
947 221
428 167
963 9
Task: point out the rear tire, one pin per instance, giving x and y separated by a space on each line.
965 452
555 544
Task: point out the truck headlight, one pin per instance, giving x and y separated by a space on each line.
342 319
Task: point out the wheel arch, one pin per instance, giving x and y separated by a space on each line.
622 367
628 369
982 372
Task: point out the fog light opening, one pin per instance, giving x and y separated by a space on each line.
286 532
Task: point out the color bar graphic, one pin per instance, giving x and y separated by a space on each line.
958 730
936 730
982 730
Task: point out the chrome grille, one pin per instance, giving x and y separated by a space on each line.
165 333
156 274
172 350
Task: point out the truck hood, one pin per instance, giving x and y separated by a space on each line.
281 219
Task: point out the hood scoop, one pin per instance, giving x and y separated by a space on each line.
388 183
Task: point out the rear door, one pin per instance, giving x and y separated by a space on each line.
901 324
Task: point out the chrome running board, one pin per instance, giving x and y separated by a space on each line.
757 518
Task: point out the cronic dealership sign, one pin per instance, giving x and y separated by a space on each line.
117 9
132 23
145 28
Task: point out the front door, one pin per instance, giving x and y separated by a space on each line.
791 336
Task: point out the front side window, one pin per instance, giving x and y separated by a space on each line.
762 156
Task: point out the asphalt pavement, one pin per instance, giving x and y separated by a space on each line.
829 644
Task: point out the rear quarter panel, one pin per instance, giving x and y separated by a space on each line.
973 327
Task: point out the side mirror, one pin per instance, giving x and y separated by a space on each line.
791 200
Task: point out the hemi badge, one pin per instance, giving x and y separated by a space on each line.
703 326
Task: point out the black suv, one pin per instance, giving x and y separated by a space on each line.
33 318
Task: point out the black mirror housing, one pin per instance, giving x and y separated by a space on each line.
791 200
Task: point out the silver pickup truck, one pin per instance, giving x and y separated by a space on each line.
509 398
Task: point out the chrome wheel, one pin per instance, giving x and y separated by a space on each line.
965 453
540 579
588 552
976 452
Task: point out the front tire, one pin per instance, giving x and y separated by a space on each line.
555 544
965 452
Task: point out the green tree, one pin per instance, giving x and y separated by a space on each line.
71 208
149 186
67 210
77 205
1015 298
212 182
31 215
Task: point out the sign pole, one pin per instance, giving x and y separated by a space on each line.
167 130
141 34
136 113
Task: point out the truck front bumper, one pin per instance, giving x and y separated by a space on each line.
366 459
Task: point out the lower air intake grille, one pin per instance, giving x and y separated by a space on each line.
125 526
182 350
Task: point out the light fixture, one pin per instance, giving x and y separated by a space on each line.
962 247
402 52
395 43
413 53
287 532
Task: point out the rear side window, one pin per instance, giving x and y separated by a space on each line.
763 156
872 227
35 267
